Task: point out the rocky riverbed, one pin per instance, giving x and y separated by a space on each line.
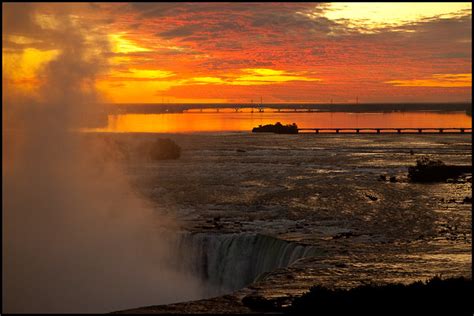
320 191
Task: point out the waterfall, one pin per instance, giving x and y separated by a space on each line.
228 262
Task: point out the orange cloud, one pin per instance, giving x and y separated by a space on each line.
133 74
254 76
286 52
120 44
21 68
436 80
257 76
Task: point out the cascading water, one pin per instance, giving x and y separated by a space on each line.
229 262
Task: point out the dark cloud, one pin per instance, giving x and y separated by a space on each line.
21 19
452 55
221 18
317 51
180 31
17 19
196 38
227 64
11 46
152 10
290 20
135 26
229 45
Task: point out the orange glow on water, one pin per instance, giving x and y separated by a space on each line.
228 120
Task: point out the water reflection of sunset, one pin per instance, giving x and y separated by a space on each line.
227 120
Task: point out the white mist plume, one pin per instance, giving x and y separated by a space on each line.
76 238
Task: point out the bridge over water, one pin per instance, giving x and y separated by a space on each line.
385 130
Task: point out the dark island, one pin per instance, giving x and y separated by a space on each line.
149 150
431 170
160 149
277 128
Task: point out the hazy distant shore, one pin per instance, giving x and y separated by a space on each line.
151 108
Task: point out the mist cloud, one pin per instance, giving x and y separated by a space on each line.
76 237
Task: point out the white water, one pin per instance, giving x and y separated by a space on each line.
229 262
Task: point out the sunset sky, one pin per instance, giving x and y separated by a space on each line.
238 52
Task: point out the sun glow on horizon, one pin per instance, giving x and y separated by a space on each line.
373 15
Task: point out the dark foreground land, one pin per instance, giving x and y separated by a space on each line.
450 297
437 296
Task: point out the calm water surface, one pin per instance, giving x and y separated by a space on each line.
227 120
